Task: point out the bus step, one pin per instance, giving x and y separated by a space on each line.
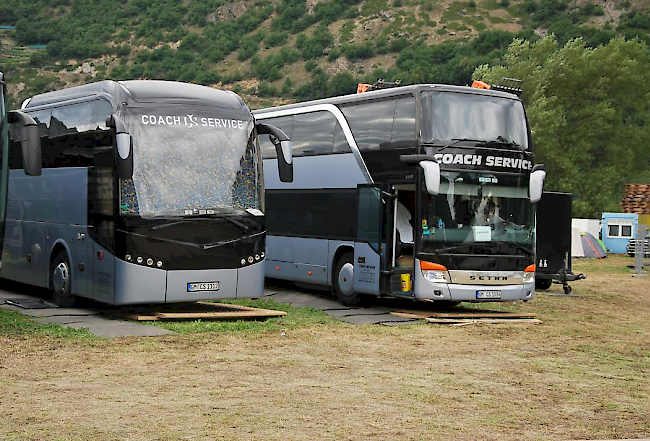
401 294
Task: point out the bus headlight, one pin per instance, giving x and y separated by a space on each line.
529 277
434 272
436 276
529 274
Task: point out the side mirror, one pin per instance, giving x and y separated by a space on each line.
431 176
431 170
536 184
124 147
283 148
30 141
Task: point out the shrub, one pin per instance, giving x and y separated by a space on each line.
266 90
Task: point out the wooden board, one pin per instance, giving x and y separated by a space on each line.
466 314
198 310
465 322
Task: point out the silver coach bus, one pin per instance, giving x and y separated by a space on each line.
150 192
425 192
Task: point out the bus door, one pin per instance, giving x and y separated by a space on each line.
369 247
400 239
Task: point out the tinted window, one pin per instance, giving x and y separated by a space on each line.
404 123
371 123
449 115
340 141
266 146
74 135
82 117
613 230
43 119
313 133
626 230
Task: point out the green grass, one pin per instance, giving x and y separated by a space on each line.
347 29
295 318
14 324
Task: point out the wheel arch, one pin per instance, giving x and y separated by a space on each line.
58 246
340 250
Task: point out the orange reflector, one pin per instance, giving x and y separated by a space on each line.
309 273
530 268
480 85
432 266
277 268
361 87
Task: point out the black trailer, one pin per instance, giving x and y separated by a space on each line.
554 215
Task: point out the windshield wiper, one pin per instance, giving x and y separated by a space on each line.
454 141
205 246
470 245
502 141
528 251
192 219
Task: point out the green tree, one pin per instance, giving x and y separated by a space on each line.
589 113
342 84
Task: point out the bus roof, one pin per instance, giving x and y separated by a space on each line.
143 91
393 91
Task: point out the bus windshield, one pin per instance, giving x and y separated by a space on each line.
191 162
449 116
478 214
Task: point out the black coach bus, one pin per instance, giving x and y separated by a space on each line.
423 191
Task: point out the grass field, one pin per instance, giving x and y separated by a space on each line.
582 374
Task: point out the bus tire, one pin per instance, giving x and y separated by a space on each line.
61 281
343 280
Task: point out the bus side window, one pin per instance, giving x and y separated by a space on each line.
340 141
266 146
371 123
313 133
403 135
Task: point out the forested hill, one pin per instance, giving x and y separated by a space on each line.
292 50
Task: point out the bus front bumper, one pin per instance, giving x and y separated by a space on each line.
455 292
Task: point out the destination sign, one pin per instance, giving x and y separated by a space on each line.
484 160
190 121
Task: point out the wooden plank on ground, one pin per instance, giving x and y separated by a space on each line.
259 313
463 314
464 322
198 310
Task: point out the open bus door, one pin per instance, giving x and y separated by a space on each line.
369 249
378 268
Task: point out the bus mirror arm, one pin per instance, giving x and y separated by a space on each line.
282 145
415 159
30 141
124 147
431 170
536 184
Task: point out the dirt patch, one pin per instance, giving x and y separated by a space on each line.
583 374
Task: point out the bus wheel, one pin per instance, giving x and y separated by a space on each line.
543 284
60 281
343 282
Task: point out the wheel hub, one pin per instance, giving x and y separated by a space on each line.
346 279
61 278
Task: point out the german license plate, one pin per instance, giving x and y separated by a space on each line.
202 286
492 294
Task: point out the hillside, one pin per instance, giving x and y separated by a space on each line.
283 50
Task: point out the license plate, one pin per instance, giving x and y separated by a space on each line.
488 294
203 286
